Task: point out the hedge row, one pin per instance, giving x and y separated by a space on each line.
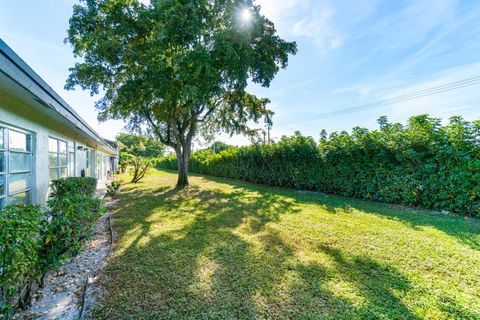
33 241
421 163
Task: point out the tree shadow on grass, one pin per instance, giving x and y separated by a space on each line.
178 255
466 231
210 254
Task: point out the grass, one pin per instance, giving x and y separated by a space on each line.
224 249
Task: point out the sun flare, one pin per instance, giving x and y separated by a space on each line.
246 15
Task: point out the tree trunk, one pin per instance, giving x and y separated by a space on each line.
182 173
183 159
183 149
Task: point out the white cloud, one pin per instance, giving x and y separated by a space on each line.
414 23
312 20
277 11
326 23
319 29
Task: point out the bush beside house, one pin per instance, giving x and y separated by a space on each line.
420 164
33 241
20 241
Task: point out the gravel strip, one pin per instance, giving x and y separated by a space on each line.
63 295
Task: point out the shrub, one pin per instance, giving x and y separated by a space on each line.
140 167
32 241
71 221
420 164
113 187
125 160
20 228
169 162
73 185
73 211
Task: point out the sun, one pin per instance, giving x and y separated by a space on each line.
246 15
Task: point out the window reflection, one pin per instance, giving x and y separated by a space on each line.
52 145
18 182
19 141
2 145
20 162
57 158
63 147
2 185
21 198
3 166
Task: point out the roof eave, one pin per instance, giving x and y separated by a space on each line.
70 115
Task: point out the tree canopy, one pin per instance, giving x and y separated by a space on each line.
177 68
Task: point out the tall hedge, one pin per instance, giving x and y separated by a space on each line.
422 163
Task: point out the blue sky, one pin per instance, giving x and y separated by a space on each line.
350 53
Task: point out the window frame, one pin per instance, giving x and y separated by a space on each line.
6 174
88 162
72 148
58 153
98 164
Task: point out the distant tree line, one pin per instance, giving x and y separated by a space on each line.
140 145
421 163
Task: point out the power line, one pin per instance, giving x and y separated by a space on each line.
405 97
412 95
396 100
422 93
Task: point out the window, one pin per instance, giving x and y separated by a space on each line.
57 158
106 166
71 160
88 170
3 168
15 166
99 165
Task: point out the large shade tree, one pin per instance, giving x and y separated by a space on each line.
176 67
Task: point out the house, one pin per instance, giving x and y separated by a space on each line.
42 137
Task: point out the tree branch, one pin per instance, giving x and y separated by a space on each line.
165 140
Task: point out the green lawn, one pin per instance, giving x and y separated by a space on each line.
223 249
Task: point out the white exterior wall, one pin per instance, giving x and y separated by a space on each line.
15 114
